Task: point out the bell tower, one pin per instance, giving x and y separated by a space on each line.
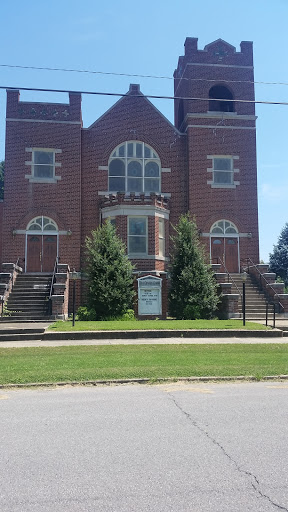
214 106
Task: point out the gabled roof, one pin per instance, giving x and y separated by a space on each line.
222 42
134 90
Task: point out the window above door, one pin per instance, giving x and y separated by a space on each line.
223 171
43 165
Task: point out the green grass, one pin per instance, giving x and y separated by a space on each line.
157 325
80 363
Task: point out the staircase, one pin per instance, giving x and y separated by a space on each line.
255 302
29 299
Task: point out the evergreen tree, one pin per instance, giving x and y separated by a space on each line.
193 288
279 257
109 270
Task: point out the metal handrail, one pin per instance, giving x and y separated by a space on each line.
52 281
16 265
230 277
265 280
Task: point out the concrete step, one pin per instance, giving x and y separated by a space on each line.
27 301
21 320
33 330
19 337
29 316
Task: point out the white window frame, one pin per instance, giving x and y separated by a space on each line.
31 163
137 255
161 251
128 158
232 171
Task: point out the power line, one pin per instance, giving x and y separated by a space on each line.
150 96
132 75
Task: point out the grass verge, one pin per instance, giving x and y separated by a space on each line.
80 363
156 325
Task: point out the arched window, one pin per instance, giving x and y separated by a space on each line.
218 93
134 167
224 227
42 224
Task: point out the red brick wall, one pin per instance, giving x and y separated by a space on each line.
74 202
25 200
232 135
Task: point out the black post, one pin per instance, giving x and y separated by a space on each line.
2 311
243 305
74 296
274 314
267 305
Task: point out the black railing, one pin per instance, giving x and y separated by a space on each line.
268 299
52 284
230 278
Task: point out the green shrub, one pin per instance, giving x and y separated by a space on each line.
85 314
110 289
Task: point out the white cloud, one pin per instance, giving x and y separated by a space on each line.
272 192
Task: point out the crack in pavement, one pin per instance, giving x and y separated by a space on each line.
255 482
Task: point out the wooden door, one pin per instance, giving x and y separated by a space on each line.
34 253
49 252
217 250
231 254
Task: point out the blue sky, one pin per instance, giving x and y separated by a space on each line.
147 38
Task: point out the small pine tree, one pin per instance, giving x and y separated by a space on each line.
279 256
193 289
109 270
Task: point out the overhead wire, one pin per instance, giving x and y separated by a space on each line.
135 75
141 95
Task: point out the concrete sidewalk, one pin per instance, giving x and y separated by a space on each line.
143 341
36 334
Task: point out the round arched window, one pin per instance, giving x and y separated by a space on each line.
224 227
134 167
42 224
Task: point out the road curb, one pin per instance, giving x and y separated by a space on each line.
108 382
201 333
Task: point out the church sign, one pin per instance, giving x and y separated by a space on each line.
149 296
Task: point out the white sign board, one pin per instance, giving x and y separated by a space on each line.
150 296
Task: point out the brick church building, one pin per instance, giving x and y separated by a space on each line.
137 169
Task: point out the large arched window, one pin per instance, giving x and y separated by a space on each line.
224 227
134 167
217 94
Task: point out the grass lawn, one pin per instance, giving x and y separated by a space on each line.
156 325
80 363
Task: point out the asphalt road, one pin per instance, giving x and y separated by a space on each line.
177 447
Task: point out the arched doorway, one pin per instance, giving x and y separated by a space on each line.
224 245
41 245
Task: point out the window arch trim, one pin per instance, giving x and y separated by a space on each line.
42 224
224 227
134 167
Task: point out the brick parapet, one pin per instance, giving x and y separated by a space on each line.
59 112
8 277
